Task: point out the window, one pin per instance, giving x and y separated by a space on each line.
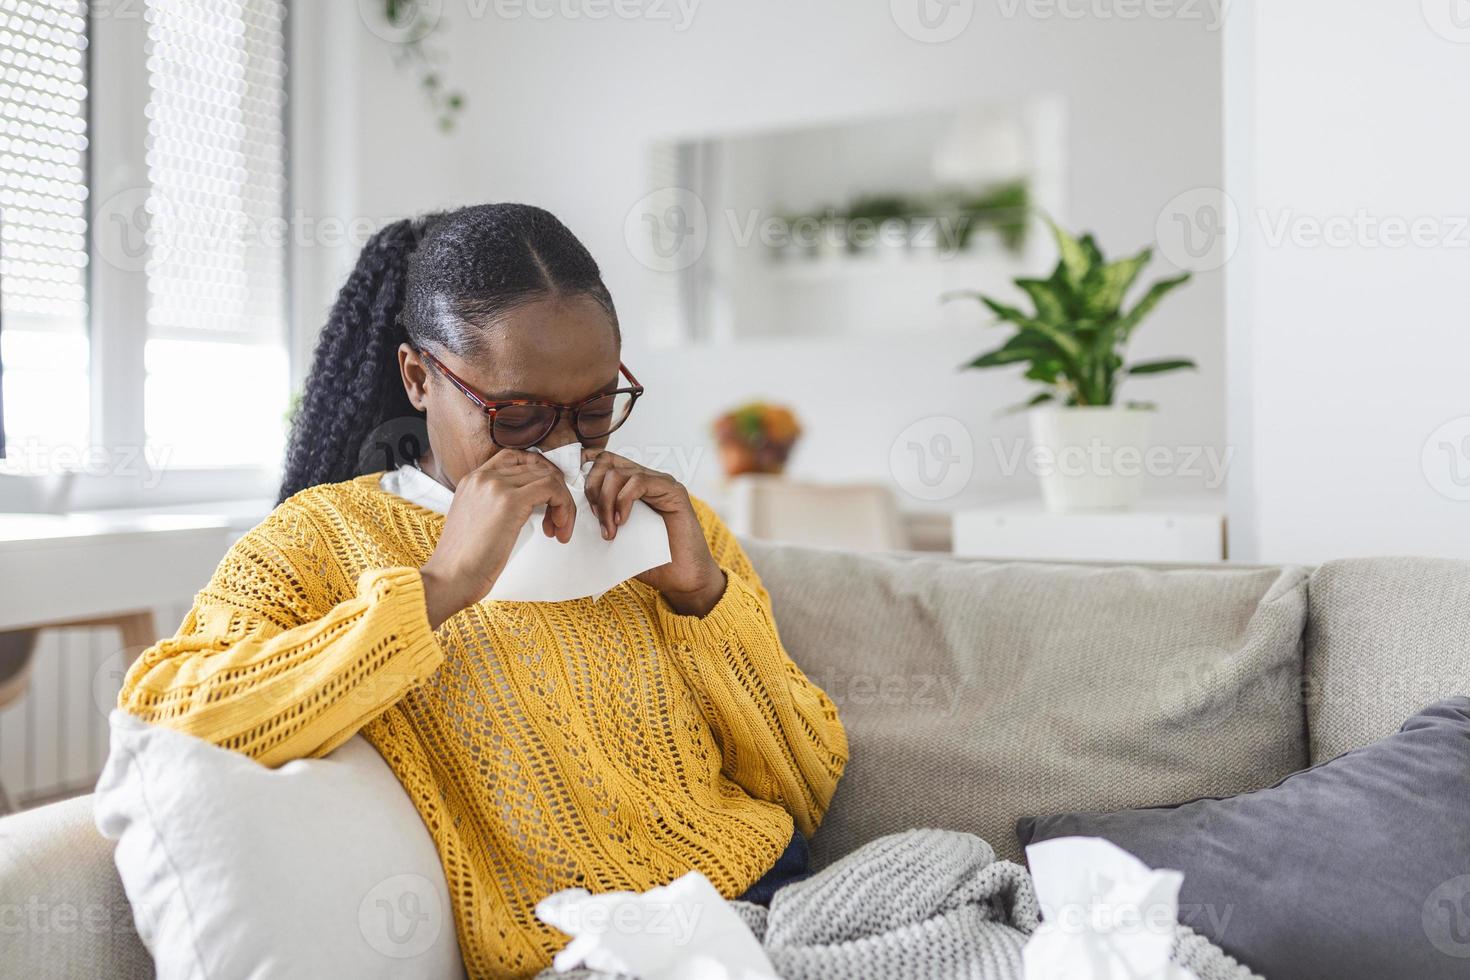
187 350
43 226
216 367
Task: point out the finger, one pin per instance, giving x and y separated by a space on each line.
561 508
592 483
590 480
603 463
612 485
512 461
507 460
523 476
551 492
633 491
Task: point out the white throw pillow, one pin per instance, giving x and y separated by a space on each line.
319 868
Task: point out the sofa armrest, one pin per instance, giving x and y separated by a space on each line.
63 912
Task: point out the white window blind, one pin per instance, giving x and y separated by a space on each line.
217 372
43 223
216 170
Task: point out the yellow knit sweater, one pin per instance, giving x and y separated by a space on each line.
608 745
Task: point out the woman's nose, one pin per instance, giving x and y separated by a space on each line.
563 434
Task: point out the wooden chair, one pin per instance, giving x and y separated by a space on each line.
18 654
854 516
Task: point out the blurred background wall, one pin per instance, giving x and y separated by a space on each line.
1349 404
561 112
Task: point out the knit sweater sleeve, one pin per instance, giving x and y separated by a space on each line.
779 733
281 656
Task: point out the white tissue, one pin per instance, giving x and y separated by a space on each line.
542 569
680 931
1105 914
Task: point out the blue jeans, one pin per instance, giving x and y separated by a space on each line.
791 866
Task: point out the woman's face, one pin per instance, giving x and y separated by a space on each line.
561 349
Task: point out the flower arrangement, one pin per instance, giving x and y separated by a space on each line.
755 438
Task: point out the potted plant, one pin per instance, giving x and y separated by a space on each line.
1073 345
878 222
756 438
1002 212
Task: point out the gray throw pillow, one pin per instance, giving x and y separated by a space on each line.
974 693
1358 867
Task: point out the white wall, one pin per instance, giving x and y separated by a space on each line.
560 112
1351 122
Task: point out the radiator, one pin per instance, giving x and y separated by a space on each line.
53 740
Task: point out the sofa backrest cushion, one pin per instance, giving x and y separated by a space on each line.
1385 638
65 912
974 693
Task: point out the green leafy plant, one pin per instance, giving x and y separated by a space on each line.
1074 341
1006 208
878 208
288 417
410 52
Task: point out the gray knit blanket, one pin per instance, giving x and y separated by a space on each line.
917 904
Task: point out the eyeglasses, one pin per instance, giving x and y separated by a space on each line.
520 423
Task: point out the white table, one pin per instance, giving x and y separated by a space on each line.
105 569
63 569
1178 529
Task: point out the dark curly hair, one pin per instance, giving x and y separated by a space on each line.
435 281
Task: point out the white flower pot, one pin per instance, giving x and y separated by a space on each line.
1090 457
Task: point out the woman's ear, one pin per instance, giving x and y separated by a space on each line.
415 376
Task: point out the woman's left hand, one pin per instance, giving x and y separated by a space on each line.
692 582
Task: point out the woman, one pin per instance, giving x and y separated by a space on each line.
608 745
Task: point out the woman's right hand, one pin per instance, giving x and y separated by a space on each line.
491 504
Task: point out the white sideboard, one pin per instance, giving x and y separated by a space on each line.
1186 529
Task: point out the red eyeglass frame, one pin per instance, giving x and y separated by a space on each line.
490 408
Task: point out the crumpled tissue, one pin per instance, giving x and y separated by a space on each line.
684 930
1105 914
542 569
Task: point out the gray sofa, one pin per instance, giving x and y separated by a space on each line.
974 693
